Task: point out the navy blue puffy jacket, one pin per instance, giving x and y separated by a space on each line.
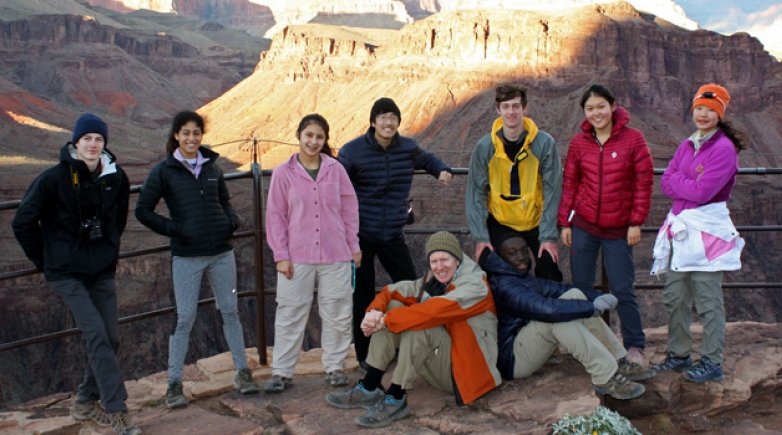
521 298
382 179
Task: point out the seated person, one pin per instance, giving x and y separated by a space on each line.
536 315
444 327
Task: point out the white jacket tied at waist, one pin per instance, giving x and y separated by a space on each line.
689 250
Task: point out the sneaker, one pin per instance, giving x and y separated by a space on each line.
356 397
244 382
337 378
277 384
704 370
384 412
90 410
619 387
175 398
673 362
120 422
633 371
635 355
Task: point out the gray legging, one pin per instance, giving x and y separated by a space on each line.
187 273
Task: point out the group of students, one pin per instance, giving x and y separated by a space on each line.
465 324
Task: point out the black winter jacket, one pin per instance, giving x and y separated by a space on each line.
382 179
48 223
521 298
202 220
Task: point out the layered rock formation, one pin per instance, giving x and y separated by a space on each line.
746 402
441 71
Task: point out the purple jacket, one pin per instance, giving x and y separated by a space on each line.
694 178
309 221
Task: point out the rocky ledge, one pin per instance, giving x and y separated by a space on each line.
747 401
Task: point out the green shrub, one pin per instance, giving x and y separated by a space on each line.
602 421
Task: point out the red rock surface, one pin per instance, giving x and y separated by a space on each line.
747 401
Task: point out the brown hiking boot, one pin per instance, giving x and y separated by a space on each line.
619 387
634 371
120 422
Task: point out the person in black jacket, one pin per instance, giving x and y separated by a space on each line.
69 225
535 316
380 165
200 226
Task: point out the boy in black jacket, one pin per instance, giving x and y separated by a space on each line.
69 225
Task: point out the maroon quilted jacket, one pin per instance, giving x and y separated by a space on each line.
608 186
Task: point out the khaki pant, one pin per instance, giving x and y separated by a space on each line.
426 353
294 299
705 288
590 341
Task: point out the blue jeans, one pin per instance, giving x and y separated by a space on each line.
187 273
618 260
94 308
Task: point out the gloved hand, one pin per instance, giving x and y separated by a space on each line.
605 302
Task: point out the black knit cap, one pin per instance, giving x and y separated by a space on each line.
498 237
90 123
384 105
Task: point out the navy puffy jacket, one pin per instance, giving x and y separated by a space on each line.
382 179
521 298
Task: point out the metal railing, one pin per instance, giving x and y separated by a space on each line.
259 292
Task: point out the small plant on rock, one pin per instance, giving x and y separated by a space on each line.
602 421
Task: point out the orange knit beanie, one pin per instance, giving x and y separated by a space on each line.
713 96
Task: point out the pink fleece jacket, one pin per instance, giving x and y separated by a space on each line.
312 221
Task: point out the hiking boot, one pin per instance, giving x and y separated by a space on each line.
90 410
120 422
277 384
384 412
619 387
635 355
704 370
633 371
673 362
244 382
356 397
337 378
175 398
83 411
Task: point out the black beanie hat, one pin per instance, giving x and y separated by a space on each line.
384 105
89 123
498 237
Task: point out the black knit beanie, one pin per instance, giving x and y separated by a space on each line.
89 123
384 105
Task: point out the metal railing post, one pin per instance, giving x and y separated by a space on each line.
260 298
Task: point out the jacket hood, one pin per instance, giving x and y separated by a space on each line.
107 159
494 265
619 119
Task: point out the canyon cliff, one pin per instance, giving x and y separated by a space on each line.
441 70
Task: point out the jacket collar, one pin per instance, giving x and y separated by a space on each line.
107 160
207 153
619 119
495 265
370 138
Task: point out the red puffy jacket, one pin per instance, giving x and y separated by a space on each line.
608 186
